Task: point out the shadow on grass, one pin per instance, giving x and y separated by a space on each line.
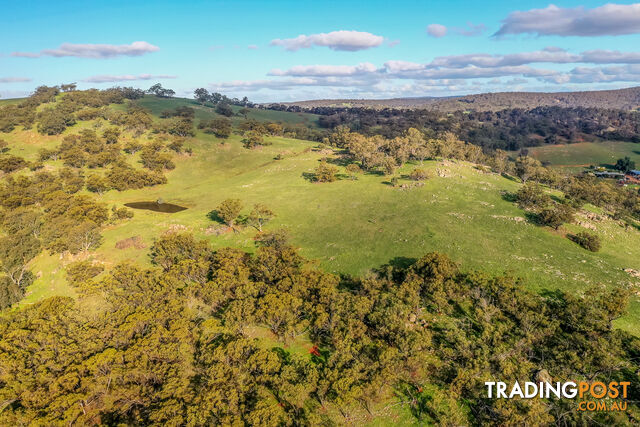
509 177
309 176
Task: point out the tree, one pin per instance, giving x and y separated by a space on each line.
224 109
252 139
244 112
625 164
229 210
531 196
111 135
97 184
526 167
325 172
16 251
201 95
220 127
353 170
161 92
259 216
556 215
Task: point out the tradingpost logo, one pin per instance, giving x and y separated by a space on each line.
593 396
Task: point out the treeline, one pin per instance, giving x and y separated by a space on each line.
174 345
510 129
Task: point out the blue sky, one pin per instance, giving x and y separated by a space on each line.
293 50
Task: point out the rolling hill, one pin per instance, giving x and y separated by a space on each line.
625 99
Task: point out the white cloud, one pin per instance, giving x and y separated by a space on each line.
99 51
326 70
252 47
335 40
14 79
106 78
608 20
436 30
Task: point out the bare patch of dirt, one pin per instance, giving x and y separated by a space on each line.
131 242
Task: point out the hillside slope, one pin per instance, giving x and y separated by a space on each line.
625 99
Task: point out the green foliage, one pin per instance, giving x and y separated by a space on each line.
81 272
9 163
532 196
220 127
556 215
325 172
229 210
224 109
625 164
176 339
418 174
587 240
259 216
253 139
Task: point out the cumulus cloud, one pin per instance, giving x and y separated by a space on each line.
335 40
106 78
607 20
96 51
436 30
326 70
471 30
252 47
14 79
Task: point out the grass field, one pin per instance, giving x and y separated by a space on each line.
352 226
575 157
157 105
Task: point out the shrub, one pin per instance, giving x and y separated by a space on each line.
587 240
325 172
531 196
353 170
555 216
418 174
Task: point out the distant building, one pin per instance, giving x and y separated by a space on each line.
613 175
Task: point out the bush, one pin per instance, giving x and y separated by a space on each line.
555 216
353 170
531 196
325 172
418 174
587 240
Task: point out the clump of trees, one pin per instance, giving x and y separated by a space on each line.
418 333
203 96
625 164
160 92
220 127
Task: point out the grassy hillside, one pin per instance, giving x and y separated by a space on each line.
350 226
575 157
207 111
626 99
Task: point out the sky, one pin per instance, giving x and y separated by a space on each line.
281 50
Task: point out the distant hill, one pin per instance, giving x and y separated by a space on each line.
625 99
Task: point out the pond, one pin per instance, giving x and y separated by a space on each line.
156 207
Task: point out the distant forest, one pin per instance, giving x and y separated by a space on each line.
510 129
